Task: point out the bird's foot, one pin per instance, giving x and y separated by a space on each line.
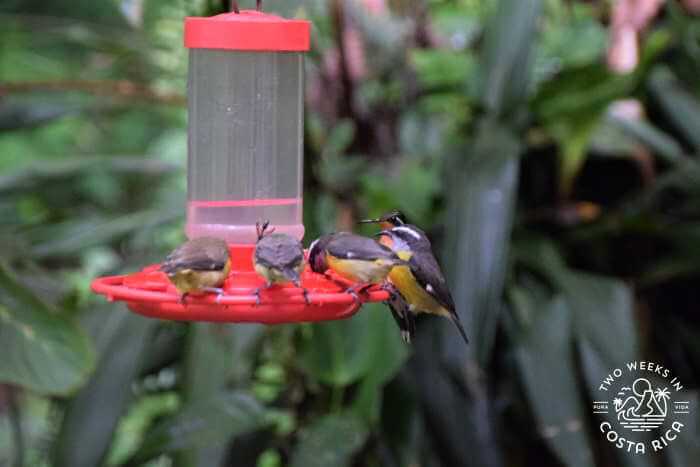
183 298
257 296
306 296
390 289
217 290
406 336
351 291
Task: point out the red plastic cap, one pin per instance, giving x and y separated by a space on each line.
248 30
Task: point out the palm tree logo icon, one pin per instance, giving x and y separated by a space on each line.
640 407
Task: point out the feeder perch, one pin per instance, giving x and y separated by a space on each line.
245 164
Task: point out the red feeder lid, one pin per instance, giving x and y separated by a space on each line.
248 30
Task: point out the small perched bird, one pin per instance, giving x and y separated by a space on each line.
278 258
356 258
197 266
420 282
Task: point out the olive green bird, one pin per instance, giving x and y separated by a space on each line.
198 266
278 258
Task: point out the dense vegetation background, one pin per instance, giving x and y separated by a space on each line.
550 148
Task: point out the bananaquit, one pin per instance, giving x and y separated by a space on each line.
359 259
278 258
197 266
420 282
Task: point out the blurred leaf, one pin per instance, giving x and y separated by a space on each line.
16 116
208 422
389 355
208 343
91 417
580 94
655 139
442 69
338 353
507 55
74 236
43 351
37 174
574 141
330 441
604 320
481 203
572 36
680 106
546 364
339 138
604 329
411 189
334 171
133 425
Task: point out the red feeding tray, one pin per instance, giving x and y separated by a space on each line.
151 294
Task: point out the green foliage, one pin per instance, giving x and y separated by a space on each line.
319 446
45 352
209 422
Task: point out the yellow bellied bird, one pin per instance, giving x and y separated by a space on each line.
420 281
359 259
197 266
278 258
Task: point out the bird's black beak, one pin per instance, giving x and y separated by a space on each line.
372 221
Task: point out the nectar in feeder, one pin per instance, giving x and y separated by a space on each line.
245 95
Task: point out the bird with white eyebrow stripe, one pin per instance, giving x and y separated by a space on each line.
420 281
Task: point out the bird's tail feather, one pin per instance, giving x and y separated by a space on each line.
455 319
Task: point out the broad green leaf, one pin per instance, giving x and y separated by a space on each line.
91 417
507 55
208 343
655 139
604 329
481 203
680 106
339 353
330 441
74 236
546 363
389 355
209 422
603 318
44 352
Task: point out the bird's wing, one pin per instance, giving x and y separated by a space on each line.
279 251
427 272
193 256
359 248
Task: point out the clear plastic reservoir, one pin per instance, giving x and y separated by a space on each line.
245 143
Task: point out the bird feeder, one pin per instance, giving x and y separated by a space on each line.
245 164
